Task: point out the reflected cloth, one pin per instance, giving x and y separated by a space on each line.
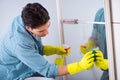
105 75
100 37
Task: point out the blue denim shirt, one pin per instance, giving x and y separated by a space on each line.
21 54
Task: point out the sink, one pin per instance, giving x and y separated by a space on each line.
39 78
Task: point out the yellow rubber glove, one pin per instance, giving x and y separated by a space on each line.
100 61
50 50
89 45
86 63
59 61
83 49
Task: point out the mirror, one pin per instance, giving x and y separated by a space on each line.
79 20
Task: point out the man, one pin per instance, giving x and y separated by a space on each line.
98 39
21 50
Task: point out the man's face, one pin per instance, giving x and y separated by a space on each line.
41 31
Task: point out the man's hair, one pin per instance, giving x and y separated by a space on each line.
34 15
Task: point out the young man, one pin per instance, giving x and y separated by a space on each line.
21 49
98 39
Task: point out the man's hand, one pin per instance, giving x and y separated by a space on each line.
59 50
86 63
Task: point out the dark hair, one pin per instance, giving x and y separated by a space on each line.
34 15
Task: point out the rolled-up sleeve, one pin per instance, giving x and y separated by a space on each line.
28 54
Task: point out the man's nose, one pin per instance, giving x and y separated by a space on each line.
46 32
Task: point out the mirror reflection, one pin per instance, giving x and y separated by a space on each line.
85 36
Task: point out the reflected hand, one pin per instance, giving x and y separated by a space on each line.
100 61
83 49
59 61
89 45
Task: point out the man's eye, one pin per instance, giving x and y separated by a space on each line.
42 31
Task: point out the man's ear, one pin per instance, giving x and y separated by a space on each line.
28 28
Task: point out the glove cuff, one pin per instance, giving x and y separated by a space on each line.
74 68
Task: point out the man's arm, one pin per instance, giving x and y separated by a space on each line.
62 70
